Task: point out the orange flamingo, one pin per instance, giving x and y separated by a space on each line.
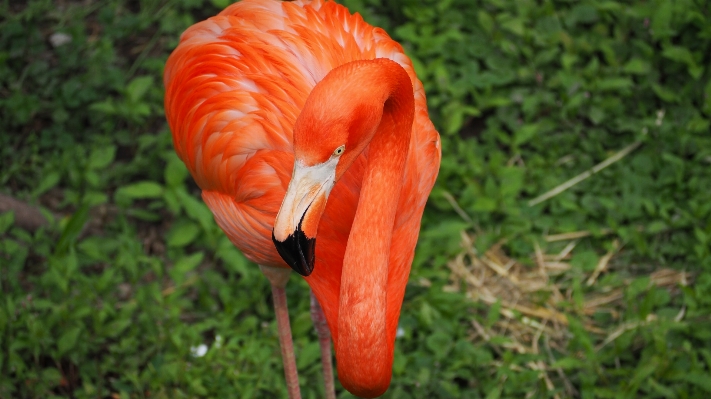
299 120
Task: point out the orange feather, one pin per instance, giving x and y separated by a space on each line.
235 86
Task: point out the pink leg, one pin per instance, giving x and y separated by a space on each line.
278 277
324 340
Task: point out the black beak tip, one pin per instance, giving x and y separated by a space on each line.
298 251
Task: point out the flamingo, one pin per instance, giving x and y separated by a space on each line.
307 130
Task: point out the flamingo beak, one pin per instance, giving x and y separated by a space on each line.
296 224
298 251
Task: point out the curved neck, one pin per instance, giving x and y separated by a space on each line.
364 348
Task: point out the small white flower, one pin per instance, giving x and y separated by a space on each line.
198 351
400 332
59 39
660 117
218 341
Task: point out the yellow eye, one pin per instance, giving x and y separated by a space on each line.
339 150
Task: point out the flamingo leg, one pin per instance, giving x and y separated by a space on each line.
324 340
278 278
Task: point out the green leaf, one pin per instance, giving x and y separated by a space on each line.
596 115
93 247
707 98
144 214
175 171
144 189
116 327
568 363
196 210
198 387
701 380
661 20
7 219
679 54
515 26
308 355
644 370
68 340
494 314
48 181
698 125
568 60
512 181
484 204
525 133
495 392
664 93
683 55
94 198
233 258
51 376
637 286
399 363
171 200
185 265
584 13
138 87
101 157
220 4
614 84
455 113
105 107
656 227
485 20
637 66
71 230
426 313
182 234
661 389
439 343
696 71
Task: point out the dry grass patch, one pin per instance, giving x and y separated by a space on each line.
535 301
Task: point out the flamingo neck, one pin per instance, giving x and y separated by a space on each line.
364 349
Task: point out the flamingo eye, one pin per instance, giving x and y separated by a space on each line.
339 150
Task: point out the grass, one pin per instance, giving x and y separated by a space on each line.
600 289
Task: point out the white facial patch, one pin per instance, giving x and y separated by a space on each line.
307 183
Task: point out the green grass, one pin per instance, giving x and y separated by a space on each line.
112 299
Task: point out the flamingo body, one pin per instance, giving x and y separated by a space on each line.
235 86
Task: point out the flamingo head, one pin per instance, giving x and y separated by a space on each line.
337 122
295 227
